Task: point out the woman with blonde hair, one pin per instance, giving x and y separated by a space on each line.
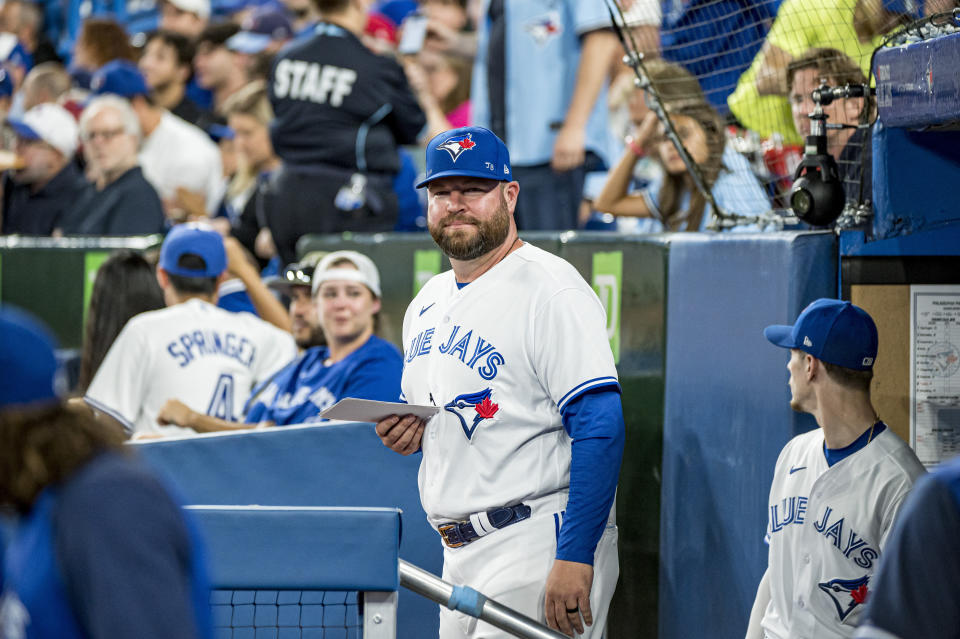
249 115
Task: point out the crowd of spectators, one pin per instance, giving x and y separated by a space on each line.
267 121
282 119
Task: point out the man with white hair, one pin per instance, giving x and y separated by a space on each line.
46 183
178 159
120 201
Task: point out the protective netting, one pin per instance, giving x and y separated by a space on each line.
272 614
755 63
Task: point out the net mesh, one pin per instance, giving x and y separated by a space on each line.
272 614
739 54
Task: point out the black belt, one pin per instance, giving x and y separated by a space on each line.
456 534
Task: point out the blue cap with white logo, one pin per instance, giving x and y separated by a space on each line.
193 239
470 151
119 77
31 374
833 331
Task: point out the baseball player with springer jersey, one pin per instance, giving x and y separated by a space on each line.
205 356
520 465
836 490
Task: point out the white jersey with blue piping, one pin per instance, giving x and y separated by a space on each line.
501 357
827 527
206 357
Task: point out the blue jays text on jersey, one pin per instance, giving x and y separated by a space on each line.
476 352
793 510
193 344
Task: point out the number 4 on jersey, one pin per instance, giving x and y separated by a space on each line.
221 404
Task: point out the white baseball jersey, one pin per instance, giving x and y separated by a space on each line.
208 358
827 527
501 357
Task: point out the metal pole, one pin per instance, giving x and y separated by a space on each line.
428 585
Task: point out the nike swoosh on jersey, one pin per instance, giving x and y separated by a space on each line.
796 468
426 308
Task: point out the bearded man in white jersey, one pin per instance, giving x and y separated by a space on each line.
205 356
837 489
520 465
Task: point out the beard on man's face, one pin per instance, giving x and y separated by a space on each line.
463 244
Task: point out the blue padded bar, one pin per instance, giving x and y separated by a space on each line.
918 84
466 600
343 465
269 548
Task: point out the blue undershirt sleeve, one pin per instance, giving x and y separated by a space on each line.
125 554
595 423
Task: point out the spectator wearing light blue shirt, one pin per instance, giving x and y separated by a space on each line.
539 84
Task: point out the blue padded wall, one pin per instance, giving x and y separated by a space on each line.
726 416
914 184
331 465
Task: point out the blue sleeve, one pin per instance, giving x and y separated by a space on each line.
914 593
255 414
126 557
377 379
595 422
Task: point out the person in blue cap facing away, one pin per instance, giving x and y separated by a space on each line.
512 344
101 548
207 357
837 489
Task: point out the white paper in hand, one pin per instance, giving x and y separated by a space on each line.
368 410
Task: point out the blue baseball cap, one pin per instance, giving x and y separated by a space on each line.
470 151
193 239
264 26
833 331
120 77
31 375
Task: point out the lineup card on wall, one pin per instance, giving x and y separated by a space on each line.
935 372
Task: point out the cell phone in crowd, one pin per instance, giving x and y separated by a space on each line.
413 34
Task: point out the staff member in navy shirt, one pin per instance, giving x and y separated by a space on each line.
101 550
340 113
354 363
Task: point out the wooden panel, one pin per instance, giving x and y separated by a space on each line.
889 305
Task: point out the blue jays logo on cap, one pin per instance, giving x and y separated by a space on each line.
474 407
846 594
457 146
447 156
